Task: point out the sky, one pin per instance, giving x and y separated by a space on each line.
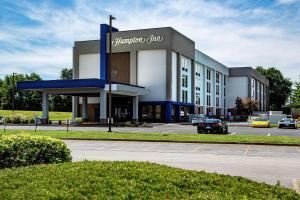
38 35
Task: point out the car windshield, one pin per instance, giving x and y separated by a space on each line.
261 120
213 121
287 119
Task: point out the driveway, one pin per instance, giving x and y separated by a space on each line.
270 164
171 128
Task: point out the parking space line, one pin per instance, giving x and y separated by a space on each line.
295 186
269 134
232 133
196 149
246 150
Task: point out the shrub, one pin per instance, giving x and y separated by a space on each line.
78 120
23 150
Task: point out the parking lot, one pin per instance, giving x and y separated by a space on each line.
171 128
262 163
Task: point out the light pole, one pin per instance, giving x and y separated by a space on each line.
13 93
109 73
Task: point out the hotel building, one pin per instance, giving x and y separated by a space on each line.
157 76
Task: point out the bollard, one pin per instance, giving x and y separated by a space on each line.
67 125
36 123
4 128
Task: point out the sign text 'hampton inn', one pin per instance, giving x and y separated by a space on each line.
137 40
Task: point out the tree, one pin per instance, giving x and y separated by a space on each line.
295 96
279 87
250 105
239 105
62 102
24 99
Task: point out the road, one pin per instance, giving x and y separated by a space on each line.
172 128
268 164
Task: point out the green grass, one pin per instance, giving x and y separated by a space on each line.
162 136
129 180
31 114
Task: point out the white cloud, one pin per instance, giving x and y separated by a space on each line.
218 30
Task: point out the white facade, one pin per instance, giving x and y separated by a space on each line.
151 74
174 76
89 66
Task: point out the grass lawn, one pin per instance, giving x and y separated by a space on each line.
162 136
31 114
129 180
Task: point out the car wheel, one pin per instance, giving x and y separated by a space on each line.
280 126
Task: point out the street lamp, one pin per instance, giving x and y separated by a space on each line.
109 73
13 93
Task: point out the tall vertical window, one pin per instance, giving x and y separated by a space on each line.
224 80
197 98
217 102
208 103
184 80
217 90
208 74
208 87
184 95
217 77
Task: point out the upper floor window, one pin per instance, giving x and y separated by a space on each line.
184 81
217 77
208 87
208 103
217 90
217 102
224 80
208 74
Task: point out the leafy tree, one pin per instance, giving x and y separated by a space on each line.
62 102
250 105
295 96
279 87
239 105
24 99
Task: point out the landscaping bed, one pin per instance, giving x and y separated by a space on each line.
129 180
176 137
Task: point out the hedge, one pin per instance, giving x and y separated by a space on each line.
129 180
23 150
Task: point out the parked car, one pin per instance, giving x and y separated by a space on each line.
197 120
288 123
212 125
261 122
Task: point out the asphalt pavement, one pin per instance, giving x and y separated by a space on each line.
170 128
269 164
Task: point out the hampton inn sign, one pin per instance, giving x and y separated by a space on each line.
137 40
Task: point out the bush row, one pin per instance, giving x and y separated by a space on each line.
19 119
23 150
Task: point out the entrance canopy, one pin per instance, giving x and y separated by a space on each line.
79 87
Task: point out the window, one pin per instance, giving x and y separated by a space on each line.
184 94
217 102
217 77
197 86
224 92
208 74
184 81
217 90
208 87
208 103
224 80
197 98
197 70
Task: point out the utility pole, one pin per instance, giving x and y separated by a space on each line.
13 93
109 73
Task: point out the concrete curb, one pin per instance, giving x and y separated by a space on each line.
174 141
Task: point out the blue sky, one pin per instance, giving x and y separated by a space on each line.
38 35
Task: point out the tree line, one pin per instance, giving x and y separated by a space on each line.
28 99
